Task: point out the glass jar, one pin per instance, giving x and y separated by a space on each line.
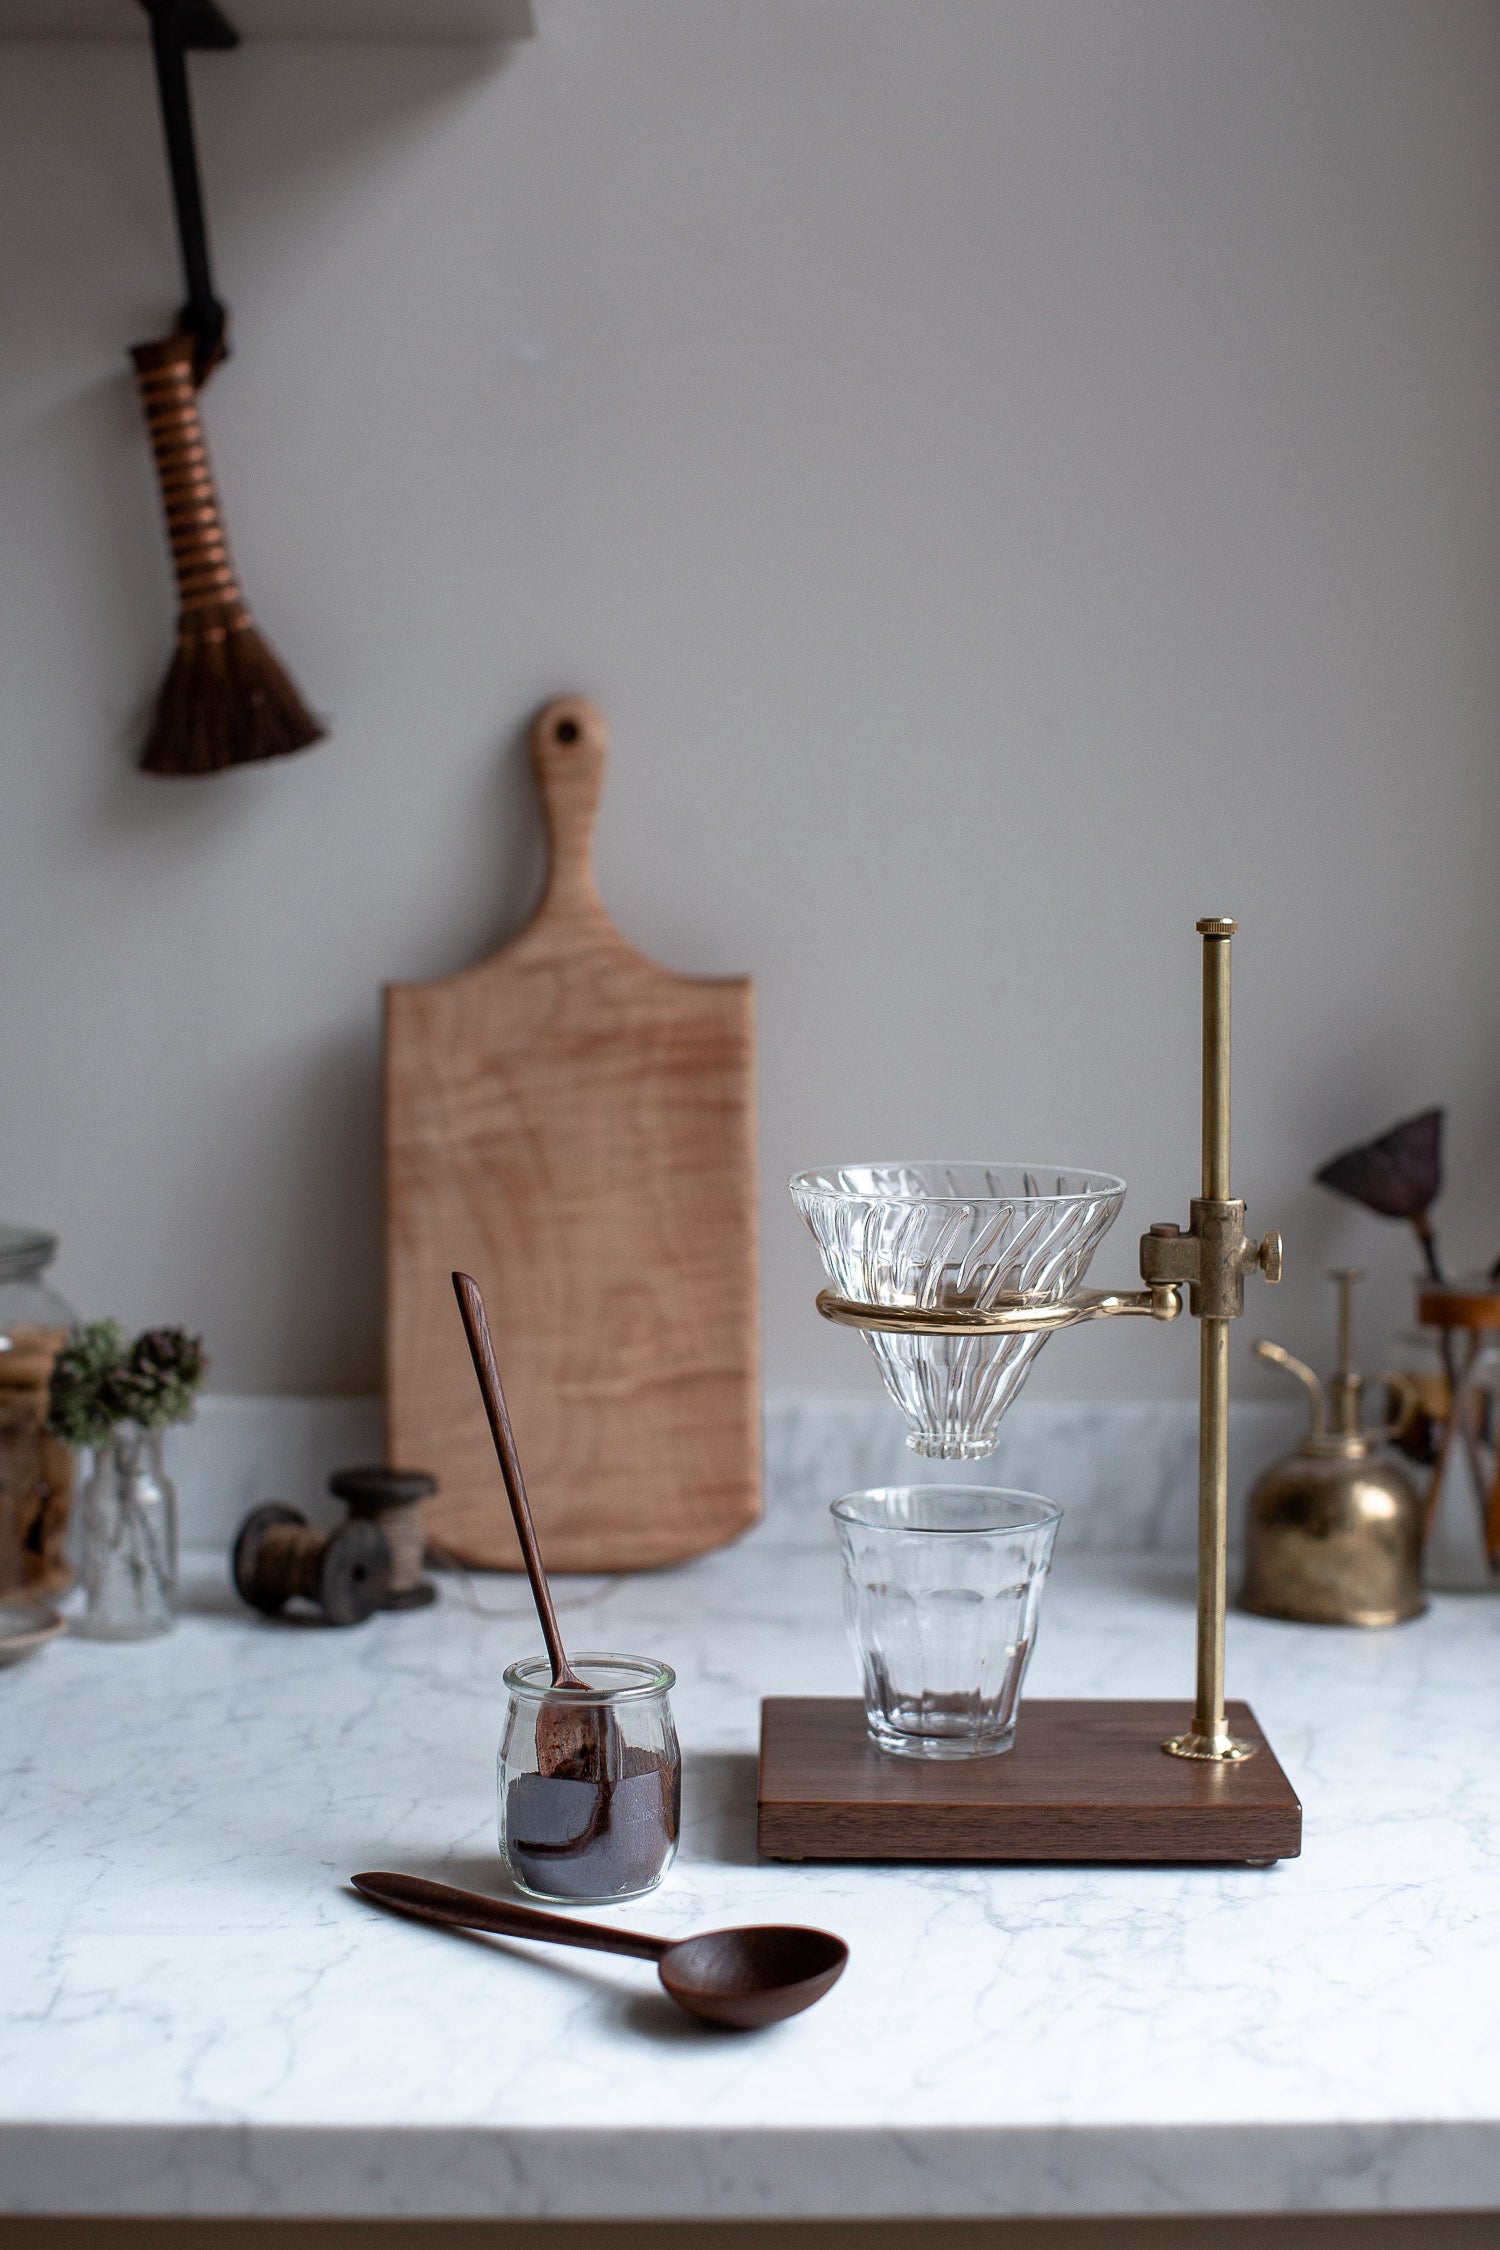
1461 1553
590 1779
26 1299
1461 1501
129 1539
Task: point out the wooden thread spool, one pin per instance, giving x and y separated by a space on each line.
279 1557
392 1499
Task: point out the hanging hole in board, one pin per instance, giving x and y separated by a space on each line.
567 730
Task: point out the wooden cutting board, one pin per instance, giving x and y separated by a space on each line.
574 1126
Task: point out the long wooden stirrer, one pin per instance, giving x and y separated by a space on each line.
580 1742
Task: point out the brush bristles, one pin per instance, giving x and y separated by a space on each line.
226 701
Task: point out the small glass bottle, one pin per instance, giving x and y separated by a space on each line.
590 1779
129 1539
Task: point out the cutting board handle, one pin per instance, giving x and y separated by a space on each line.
568 748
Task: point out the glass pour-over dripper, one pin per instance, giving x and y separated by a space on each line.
971 1236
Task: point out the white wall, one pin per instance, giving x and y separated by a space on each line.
1019 474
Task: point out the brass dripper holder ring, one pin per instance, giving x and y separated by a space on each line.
1210 1261
1012 1312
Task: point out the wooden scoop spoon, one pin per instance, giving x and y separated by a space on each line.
581 1743
742 1978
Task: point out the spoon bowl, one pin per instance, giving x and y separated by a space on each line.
745 1978
742 1978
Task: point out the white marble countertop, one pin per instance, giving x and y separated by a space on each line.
197 2017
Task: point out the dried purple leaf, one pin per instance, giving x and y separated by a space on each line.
1399 1175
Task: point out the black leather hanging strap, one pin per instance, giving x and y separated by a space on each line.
177 25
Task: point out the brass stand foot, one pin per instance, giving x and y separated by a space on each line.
1223 1749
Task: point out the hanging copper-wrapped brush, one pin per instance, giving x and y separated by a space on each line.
227 700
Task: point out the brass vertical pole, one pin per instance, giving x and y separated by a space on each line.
1209 1735
1213 1529
1213 1350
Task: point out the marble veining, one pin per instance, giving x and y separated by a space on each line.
197 2016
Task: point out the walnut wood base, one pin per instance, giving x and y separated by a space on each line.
1085 1781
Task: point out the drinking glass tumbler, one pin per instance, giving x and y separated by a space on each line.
590 1779
942 1585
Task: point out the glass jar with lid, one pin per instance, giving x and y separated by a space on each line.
36 1468
27 1298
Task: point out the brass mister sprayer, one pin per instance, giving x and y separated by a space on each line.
1334 1531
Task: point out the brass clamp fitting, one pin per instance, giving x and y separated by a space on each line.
1211 1260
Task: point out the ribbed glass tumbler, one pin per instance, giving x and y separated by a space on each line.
942 1585
944 1235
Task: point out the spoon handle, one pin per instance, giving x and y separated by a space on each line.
482 1351
470 1910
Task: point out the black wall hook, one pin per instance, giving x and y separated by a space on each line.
177 25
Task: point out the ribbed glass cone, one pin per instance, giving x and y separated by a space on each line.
934 1234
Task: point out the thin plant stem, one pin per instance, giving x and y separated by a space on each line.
1428 1241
